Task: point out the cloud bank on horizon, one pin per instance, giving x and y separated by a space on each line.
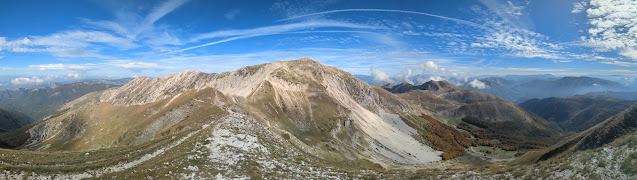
410 41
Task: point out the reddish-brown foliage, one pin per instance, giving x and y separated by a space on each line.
512 135
446 138
475 121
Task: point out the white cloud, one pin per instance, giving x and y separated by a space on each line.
380 76
133 65
268 30
276 29
431 67
630 53
509 12
43 67
436 78
579 7
25 80
620 63
614 26
73 44
478 84
383 10
623 71
428 66
73 75
137 28
518 42
405 77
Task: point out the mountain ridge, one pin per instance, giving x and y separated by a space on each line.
577 113
312 103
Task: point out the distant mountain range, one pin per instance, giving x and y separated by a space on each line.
518 91
10 120
619 95
519 88
577 113
40 102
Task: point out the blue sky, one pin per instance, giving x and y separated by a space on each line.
43 41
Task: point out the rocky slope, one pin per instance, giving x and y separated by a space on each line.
576 113
321 110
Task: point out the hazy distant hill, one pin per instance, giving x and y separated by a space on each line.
520 91
619 95
576 113
40 102
10 120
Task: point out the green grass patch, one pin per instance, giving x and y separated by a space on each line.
629 165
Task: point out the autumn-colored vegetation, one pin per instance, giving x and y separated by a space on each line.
475 121
512 135
446 138
509 136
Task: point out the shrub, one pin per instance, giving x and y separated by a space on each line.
446 138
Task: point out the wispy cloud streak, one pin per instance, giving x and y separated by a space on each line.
387 10
268 30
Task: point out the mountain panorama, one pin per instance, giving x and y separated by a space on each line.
300 118
309 89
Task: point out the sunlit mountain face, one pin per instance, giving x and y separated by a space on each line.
374 89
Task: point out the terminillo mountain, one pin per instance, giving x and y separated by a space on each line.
302 119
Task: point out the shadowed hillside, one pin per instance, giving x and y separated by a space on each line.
10 120
576 113
41 102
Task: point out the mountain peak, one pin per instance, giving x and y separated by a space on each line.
307 59
242 82
436 85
